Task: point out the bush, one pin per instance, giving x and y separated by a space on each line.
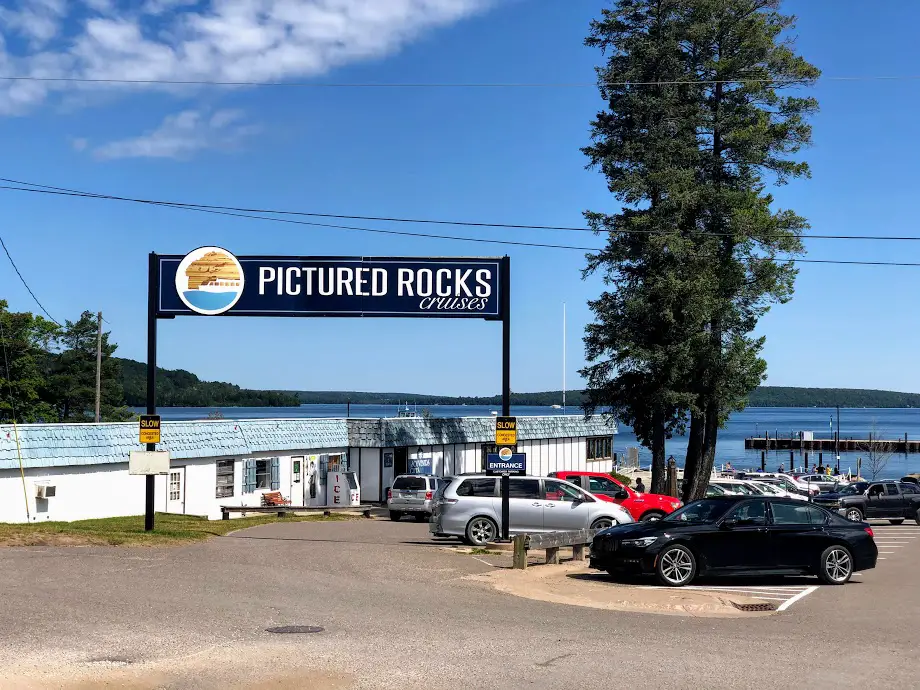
622 478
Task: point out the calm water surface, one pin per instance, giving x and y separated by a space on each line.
854 423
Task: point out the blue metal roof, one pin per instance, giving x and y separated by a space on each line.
56 445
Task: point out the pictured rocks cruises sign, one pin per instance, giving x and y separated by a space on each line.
211 281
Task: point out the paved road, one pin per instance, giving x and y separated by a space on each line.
398 612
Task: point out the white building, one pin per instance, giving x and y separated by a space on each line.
232 463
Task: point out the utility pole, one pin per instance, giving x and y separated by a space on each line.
98 366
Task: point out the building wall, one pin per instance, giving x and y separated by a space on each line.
107 490
83 492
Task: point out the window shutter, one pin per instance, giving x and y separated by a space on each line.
276 474
249 476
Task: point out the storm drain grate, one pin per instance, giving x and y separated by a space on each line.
295 629
754 607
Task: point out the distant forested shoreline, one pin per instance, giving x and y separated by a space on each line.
765 396
180 388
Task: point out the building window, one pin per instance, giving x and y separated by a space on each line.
600 448
225 469
296 466
261 474
175 486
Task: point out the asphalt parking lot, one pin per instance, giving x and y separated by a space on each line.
399 610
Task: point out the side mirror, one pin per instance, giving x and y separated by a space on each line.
622 494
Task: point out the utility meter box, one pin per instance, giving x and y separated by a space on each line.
342 489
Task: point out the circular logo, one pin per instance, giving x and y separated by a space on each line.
209 280
505 454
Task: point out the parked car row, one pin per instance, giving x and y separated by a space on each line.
469 505
751 526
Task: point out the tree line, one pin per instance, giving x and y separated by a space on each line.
48 371
48 374
763 396
703 113
180 388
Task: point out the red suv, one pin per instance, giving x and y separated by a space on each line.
643 507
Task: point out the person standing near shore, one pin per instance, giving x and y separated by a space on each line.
640 487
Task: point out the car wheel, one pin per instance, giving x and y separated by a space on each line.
917 516
836 565
481 531
897 521
854 515
676 566
602 523
651 516
421 517
395 515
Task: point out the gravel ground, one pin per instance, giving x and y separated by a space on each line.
399 611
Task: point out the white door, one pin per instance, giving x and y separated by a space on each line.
175 490
297 472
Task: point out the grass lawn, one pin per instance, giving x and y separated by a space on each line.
129 531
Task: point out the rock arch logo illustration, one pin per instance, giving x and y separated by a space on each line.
505 454
209 280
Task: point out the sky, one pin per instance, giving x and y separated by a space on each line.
497 154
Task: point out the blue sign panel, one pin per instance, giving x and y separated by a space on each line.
516 464
420 465
212 281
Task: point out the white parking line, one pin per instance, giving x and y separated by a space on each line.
785 594
797 597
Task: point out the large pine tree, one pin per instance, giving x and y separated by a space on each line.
694 121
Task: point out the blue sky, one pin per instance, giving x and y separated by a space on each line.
497 154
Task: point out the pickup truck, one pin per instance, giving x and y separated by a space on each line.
896 501
642 507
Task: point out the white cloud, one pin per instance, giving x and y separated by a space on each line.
208 40
38 21
181 136
79 144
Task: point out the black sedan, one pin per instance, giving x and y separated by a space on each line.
727 535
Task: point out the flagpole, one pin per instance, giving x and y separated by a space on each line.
563 358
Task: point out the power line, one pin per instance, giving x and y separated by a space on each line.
65 191
445 85
16 268
62 191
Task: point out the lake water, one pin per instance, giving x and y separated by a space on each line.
782 421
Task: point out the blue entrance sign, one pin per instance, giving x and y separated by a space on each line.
516 464
212 281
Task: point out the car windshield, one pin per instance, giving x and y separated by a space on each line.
852 489
410 483
767 489
706 510
739 489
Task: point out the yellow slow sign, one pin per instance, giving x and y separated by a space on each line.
150 428
505 431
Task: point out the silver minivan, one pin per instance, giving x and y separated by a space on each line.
470 507
413 494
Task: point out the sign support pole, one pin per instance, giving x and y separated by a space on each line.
153 281
506 384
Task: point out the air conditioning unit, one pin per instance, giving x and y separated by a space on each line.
45 490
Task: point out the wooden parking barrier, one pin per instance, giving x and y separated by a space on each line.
284 511
551 542
519 559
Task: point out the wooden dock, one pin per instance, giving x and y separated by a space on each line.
845 445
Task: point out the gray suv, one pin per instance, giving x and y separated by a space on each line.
413 494
470 507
